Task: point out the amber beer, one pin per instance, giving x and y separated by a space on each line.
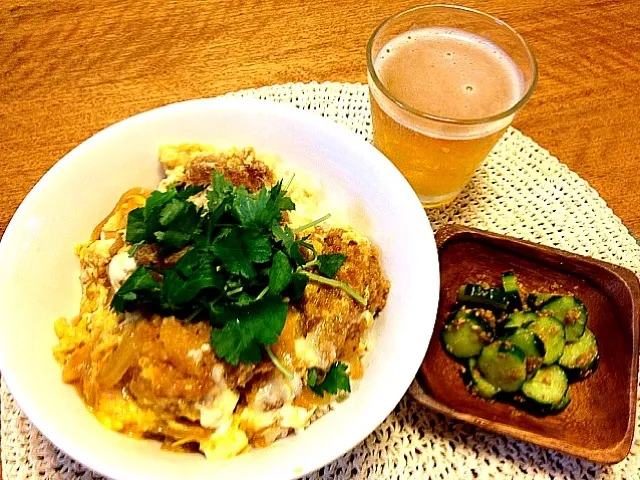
441 97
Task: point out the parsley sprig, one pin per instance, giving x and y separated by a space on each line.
334 380
239 264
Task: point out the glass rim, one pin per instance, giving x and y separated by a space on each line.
460 121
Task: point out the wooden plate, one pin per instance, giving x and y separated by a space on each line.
599 422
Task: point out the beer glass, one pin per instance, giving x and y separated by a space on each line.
445 82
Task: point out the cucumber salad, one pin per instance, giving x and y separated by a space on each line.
519 347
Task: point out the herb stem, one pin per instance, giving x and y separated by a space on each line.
262 293
310 264
277 363
311 224
234 291
210 304
290 182
193 315
224 225
134 248
336 283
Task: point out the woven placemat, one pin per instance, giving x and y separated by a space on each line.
521 191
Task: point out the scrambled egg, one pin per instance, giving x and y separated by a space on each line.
149 376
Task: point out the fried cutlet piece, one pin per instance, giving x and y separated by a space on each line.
331 319
193 164
244 373
173 365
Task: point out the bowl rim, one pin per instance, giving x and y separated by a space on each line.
342 443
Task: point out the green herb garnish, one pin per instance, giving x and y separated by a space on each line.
336 379
238 265
248 328
330 264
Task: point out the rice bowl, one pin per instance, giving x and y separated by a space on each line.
62 210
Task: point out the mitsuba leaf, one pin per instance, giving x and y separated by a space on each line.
261 210
239 249
312 377
249 328
280 273
152 209
191 261
279 198
167 218
187 218
330 263
136 226
229 249
295 250
258 245
140 287
171 210
292 246
173 240
297 286
284 235
244 299
255 210
188 191
334 381
219 197
179 290
285 203
221 188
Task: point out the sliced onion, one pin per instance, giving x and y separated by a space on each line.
130 200
119 361
77 363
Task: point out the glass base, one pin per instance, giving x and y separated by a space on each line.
433 202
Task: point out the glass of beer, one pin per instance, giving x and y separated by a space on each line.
445 83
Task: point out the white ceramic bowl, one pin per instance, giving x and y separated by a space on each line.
39 279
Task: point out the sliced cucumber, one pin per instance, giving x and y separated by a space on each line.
536 300
570 311
510 282
518 319
547 387
564 403
551 332
485 314
512 291
528 341
477 295
531 345
542 343
480 385
581 355
503 365
465 335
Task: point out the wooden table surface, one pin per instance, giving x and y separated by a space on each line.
70 68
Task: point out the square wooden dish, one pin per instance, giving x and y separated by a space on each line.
598 424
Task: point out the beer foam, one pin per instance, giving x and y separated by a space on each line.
450 73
